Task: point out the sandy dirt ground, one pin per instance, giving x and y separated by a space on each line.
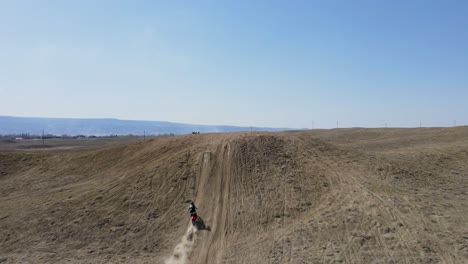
321 196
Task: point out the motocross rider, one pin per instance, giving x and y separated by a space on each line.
192 209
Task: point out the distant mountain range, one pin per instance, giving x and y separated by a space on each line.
108 126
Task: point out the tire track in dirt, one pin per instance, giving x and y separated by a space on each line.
269 197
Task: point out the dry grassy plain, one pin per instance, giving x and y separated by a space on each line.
322 196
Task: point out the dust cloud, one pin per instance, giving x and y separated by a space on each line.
182 250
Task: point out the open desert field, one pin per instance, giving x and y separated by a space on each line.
321 196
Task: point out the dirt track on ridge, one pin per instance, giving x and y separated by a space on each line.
334 196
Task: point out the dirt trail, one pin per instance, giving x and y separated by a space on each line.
342 196
214 195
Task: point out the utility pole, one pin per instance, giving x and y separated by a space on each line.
42 136
144 135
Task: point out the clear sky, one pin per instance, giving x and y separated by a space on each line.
260 63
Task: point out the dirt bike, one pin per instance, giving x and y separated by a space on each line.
198 223
193 218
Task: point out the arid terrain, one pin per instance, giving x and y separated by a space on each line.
321 196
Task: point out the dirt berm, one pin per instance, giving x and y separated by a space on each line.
323 196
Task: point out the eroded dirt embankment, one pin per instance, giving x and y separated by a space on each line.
264 197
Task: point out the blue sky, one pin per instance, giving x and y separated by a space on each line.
259 63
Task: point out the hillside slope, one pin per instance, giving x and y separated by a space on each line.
351 196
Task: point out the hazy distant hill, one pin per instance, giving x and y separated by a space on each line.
107 126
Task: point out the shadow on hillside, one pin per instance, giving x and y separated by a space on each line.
200 225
